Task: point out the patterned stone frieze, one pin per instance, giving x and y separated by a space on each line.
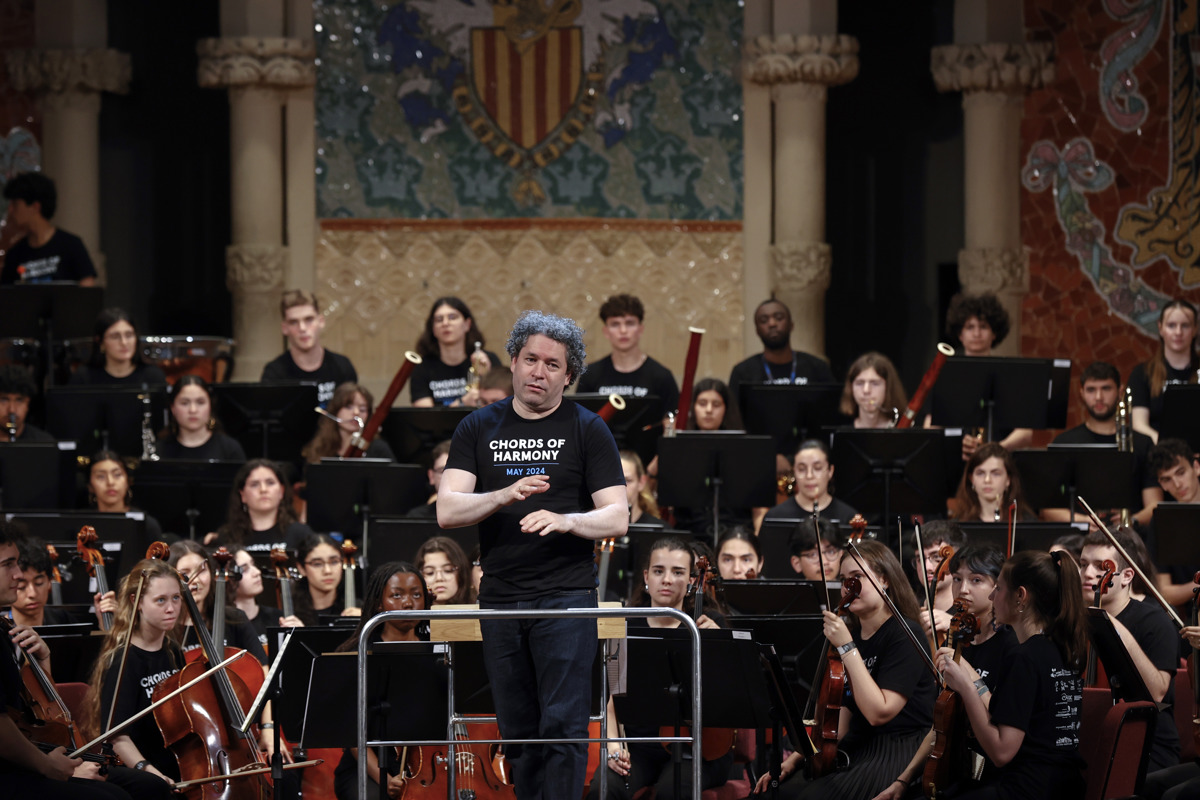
994 269
253 61
69 71
992 67
801 266
255 267
829 60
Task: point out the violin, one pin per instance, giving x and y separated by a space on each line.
945 553
203 725
87 544
1091 675
349 569
948 759
832 692
46 721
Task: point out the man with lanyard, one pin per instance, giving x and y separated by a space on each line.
543 480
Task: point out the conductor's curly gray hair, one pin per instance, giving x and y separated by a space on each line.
560 329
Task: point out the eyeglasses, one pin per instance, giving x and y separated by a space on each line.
445 571
316 563
828 555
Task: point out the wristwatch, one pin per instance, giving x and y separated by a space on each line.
981 687
842 650
141 765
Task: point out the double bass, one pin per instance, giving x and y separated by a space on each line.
87 544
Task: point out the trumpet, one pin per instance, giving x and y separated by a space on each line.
10 426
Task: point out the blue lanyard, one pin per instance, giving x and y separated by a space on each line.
767 368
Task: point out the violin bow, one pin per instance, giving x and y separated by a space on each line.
1162 601
928 596
137 600
858 557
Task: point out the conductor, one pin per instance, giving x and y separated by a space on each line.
542 479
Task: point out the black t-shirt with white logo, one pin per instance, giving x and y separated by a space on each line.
651 378
444 383
575 450
62 258
335 370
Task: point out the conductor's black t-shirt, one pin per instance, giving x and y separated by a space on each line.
574 448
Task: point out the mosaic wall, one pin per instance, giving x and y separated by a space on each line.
378 278
522 108
1109 211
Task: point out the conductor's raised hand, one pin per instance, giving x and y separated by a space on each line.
524 488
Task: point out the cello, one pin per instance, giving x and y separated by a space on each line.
46 721
56 578
1193 672
88 546
203 725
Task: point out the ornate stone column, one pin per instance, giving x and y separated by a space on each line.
68 83
993 79
258 73
799 70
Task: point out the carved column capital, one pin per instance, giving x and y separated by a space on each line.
801 266
69 71
994 269
255 267
251 61
995 67
829 60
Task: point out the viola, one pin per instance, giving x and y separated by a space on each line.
832 692
87 544
1091 675
948 759
202 726
945 553
46 721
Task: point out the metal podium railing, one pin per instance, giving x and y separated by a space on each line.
364 643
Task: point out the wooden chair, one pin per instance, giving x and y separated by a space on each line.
743 754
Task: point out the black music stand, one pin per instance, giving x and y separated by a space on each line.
343 493
1002 393
715 468
398 538
895 471
1037 536
473 691
1175 528
1123 675
635 427
271 420
774 539
1056 476
790 414
37 475
50 312
413 432
186 496
1181 414
661 670
788 598
104 417
122 538
74 650
785 715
